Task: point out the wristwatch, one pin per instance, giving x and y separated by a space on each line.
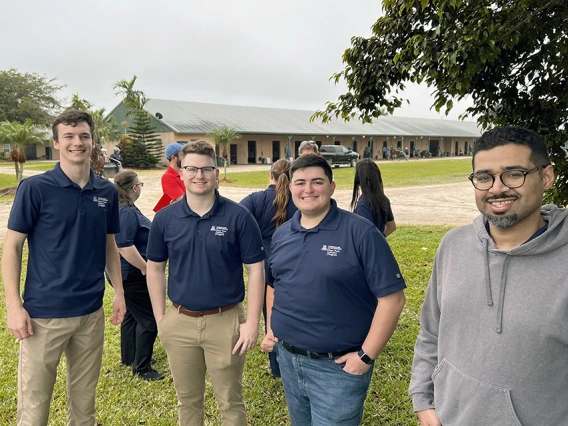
364 357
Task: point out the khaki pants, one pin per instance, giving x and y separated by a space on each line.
81 338
197 344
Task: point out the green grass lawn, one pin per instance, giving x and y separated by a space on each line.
7 180
125 400
395 174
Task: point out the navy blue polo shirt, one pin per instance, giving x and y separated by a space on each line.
134 230
206 254
365 210
260 204
327 280
67 228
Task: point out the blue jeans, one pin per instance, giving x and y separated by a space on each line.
319 392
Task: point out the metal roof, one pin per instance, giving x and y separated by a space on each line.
202 118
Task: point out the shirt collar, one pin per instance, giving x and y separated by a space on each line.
218 208
330 221
63 181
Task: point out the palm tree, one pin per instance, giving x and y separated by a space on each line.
223 136
106 128
80 104
18 135
134 100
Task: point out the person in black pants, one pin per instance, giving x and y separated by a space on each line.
139 330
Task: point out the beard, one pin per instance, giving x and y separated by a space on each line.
503 221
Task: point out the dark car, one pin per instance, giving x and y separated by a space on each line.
339 154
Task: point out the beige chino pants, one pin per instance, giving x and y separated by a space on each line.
81 339
195 345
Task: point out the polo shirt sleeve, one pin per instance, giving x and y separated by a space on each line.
364 210
25 209
157 249
381 269
390 216
171 185
250 240
128 228
269 279
113 217
248 202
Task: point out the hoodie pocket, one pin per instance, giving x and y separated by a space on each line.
461 399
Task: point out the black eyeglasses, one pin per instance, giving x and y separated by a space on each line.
207 170
511 178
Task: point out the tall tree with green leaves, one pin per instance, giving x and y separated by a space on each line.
106 127
223 136
143 148
18 135
80 104
509 57
28 96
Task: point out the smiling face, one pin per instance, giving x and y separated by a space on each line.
506 207
74 143
311 191
200 184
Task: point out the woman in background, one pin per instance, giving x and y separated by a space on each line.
271 208
372 204
138 330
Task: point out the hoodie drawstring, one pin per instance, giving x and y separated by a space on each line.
488 295
502 285
502 294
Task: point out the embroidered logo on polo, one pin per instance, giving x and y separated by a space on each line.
331 250
219 230
101 201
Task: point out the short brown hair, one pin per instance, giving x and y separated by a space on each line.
71 118
199 148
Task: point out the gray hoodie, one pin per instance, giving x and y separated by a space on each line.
493 343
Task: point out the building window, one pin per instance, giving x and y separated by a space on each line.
6 148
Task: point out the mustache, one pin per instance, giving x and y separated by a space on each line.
500 197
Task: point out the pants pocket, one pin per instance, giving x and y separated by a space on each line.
461 399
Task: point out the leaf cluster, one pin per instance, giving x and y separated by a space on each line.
509 57
28 96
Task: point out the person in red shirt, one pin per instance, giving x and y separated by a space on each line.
172 185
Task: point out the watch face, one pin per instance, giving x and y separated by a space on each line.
365 358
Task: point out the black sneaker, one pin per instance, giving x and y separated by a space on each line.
150 374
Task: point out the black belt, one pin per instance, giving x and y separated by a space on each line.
317 355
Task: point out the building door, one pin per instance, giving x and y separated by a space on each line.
354 146
435 147
251 157
233 154
275 151
456 148
49 153
465 148
30 151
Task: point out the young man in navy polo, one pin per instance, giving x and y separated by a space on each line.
69 216
206 238
336 298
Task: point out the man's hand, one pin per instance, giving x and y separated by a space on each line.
247 339
118 309
268 342
19 323
353 364
428 418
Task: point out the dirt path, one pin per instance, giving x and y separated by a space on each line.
450 204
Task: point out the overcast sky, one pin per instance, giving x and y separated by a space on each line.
244 52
